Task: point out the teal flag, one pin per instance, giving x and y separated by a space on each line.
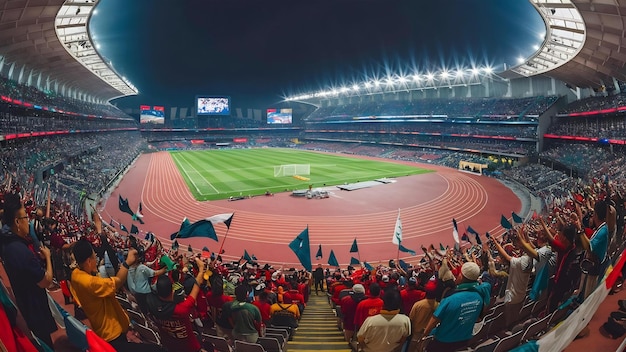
332 260
301 247
355 247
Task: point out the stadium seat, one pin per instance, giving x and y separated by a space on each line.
220 343
136 317
272 343
147 334
241 346
508 343
536 328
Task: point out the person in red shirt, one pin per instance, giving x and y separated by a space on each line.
368 307
263 303
173 317
348 309
216 300
294 296
410 295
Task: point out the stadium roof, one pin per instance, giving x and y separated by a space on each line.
584 44
48 40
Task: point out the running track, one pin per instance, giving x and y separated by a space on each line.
264 226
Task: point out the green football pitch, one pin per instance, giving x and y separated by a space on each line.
220 174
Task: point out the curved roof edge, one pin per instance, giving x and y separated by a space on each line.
584 45
31 52
71 26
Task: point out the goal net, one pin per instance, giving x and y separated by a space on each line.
292 170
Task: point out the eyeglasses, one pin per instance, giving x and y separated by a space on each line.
22 217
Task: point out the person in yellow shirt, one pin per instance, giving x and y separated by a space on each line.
96 295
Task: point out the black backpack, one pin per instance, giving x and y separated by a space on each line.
284 317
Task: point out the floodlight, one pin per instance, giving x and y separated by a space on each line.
367 84
459 73
488 69
355 87
520 60
475 71
444 74
430 76
401 79
536 47
376 83
344 89
416 78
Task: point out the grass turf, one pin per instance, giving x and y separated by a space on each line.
220 174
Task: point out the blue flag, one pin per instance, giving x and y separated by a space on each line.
124 207
200 228
505 223
406 250
246 256
404 265
301 247
368 266
516 218
332 260
319 255
123 228
354 261
355 247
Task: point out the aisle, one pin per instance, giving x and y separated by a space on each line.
318 329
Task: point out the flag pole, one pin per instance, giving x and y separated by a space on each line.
223 241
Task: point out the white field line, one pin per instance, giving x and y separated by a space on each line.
205 180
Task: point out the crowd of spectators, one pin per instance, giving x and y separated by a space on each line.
503 109
52 100
613 127
418 286
595 103
390 305
438 127
482 145
14 120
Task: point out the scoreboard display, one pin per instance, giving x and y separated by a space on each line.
151 114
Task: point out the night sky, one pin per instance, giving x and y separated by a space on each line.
260 51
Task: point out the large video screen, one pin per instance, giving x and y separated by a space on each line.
217 105
279 116
151 114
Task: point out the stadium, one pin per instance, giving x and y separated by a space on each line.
411 165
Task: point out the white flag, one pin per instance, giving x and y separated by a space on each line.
397 234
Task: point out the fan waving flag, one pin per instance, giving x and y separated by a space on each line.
319 255
226 219
397 233
200 228
505 223
355 247
332 260
516 218
354 261
300 246
246 256
455 231
124 207
406 250
476 235
134 230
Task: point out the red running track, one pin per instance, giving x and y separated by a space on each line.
264 226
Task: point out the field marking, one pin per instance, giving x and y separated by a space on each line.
204 178
189 177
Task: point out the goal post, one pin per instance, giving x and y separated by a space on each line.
292 170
